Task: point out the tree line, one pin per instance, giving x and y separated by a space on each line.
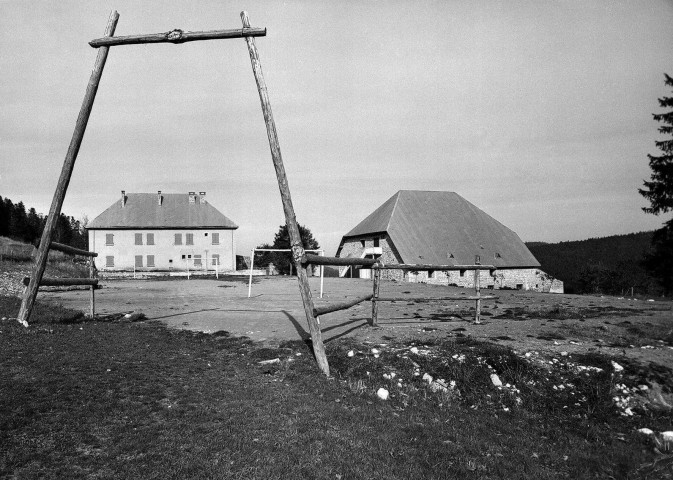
611 265
26 226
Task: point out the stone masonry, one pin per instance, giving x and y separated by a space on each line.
510 278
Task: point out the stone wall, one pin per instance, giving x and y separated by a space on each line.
512 278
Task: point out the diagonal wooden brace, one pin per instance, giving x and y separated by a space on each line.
290 219
63 181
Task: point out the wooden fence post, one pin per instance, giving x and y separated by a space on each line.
66 172
92 269
375 298
288 209
477 289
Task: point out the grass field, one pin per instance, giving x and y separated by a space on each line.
121 399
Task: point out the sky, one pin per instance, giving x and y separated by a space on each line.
538 112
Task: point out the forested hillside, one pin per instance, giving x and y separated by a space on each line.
26 226
610 265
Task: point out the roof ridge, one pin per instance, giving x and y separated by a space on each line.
392 212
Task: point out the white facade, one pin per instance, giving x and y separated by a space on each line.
163 249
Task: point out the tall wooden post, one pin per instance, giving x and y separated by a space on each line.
290 219
375 298
66 172
477 289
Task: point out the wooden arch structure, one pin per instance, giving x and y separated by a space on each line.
177 36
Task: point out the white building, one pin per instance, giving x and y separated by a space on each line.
151 232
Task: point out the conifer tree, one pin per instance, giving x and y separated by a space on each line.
659 191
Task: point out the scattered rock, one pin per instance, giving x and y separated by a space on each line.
135 316
496 380
382 394
659 400
618 368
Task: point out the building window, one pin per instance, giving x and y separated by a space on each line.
431 274
462 272
178 239
362 242
216 238
139 261
110 261
183 257
216 259
190 239
150 239
109 239
150 260
376 241
197 260
139 238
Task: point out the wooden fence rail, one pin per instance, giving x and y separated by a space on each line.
63 282
68 249
336 261
425 267
335 307
434 299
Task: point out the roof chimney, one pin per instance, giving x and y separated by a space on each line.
123 198
192 197
202 198
159 198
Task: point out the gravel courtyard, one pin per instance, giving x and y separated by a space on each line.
640 329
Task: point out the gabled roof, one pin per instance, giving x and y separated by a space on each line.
442 228
142 210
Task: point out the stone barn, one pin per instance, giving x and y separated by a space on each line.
163 232
442 228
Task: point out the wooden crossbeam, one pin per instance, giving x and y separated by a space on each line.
63 282
336 261
68 249
177 36
426 267
435 299
335 307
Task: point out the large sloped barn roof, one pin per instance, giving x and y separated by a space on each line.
142 210
442 228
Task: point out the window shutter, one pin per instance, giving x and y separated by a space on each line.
109 239
216 238
190 239
150 260
139 261
216 259
110 261
178 239
197 260
150 239
139 238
